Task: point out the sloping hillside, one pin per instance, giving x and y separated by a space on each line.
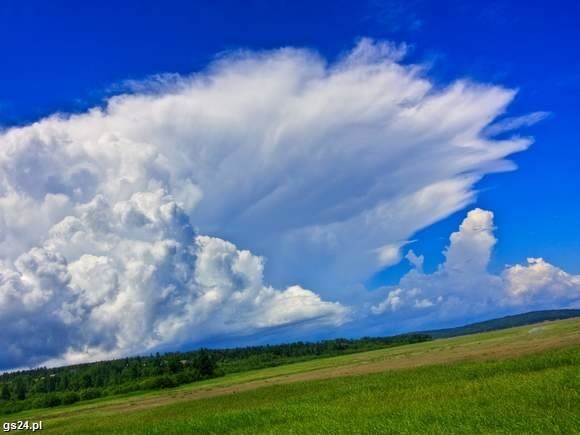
424 387
505 322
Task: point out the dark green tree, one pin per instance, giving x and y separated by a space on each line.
20 390
205 363
5 392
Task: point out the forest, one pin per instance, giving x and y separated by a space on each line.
48 387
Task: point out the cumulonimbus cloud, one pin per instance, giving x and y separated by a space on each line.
118 226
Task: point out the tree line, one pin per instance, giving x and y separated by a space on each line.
47 387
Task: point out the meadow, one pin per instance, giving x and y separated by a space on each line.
520 380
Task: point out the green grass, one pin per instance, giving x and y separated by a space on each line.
533 394
536 393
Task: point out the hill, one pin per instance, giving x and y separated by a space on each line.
505 322
517 380
49 387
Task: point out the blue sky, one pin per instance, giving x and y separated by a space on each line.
67 57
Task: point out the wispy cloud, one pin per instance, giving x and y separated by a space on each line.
514 123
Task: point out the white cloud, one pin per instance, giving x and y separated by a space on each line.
539 279
462 285
389 255
513 123
392 302
470 248
136 277
315 166
416 260
278 152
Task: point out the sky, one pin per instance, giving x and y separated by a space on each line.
176 174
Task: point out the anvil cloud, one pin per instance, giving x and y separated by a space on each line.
146 222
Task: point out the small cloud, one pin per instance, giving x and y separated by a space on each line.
389 255
514 123
423 303
368 52
416 260
393 302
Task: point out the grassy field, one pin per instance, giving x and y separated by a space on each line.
520 380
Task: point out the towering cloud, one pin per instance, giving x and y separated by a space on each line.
119 226
462 285
125 277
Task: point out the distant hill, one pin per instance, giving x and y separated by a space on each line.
504 322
